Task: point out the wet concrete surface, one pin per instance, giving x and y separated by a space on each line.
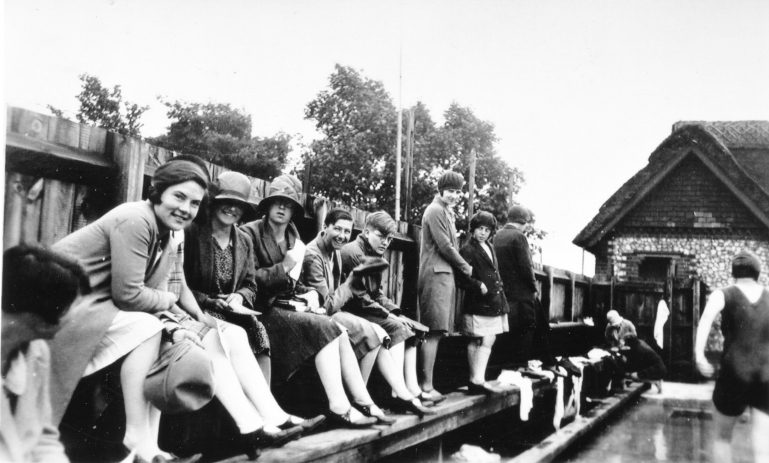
675 426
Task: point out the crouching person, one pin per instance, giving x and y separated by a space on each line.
31 316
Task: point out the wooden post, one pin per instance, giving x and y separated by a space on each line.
408 164
130 160
471 188
510 187
696 294
307 176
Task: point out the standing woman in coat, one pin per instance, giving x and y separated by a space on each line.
438 260
297 337
485 306
121 254
219 263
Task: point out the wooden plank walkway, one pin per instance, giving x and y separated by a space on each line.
459 409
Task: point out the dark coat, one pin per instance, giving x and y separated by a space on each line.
199 265
374 302
515 265
439 260
493 303
270 277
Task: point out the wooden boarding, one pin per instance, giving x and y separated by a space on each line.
346 445
556 443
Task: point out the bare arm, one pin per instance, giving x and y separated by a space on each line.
715 305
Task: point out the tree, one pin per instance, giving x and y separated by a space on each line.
354 161
105 108
221 134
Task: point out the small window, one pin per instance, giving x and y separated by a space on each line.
654 268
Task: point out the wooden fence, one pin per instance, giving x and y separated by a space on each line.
61 176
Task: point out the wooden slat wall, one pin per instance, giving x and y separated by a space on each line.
56 208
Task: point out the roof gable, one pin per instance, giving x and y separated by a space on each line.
688 138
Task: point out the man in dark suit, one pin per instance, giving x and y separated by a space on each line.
517 271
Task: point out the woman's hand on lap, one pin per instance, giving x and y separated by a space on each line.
181 334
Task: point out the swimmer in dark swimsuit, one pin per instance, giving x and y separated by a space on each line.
744 376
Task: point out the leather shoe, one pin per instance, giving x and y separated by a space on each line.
345 420
569 367
308 424
434 396
414 406
381 419
190 459
484 388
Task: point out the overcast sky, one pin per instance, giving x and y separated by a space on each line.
580 92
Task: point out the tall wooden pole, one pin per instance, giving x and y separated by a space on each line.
398 142
409 163
471 188
510 187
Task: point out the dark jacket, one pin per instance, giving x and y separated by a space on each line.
374 302
515 265
493 303
199 265
317 274
271 278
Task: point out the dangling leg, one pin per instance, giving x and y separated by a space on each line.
396 354
250 376
228 386
265 364
328 364
367 363
139 434
392 374
410 367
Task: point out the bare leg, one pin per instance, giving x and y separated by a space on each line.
392 374
250 376
410 370
367 363
722 442
139 434
427 354
265 363
228 388
759 433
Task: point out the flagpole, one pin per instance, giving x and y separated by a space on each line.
398 142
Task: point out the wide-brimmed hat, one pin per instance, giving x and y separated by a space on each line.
235 186
285 186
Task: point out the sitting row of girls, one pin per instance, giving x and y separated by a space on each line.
156 276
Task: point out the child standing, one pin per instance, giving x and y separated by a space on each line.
485 306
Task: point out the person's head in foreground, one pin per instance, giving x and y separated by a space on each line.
337 228
379 231
482 226
746 264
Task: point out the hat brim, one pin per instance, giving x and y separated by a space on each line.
264 206
371 266
250 212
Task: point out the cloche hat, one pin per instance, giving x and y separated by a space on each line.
235 186
285 186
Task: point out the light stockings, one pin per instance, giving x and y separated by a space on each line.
410 369
251 378
367 363
393 374
141 431
351 374
228 389
427 354
478 353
